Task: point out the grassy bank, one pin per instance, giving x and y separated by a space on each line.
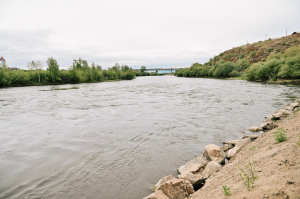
80 72
271 62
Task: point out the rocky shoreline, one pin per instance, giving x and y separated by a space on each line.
195 173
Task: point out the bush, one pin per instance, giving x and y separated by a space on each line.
243 64
280 135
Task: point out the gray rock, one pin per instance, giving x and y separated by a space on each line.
164 179
195 179
268 126
233 142
275 116
289 108
255 129
284 112
295 104
194 165
238 146
177 189
226 147
250 136
214 153
211 168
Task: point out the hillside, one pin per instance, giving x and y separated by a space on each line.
270 60
259 51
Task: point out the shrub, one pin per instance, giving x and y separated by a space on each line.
280 135
270 49
291 52
224 69
247 175
226 190
243 64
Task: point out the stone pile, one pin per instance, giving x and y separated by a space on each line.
193 174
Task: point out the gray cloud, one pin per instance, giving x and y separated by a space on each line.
151 33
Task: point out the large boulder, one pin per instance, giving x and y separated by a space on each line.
195 179
177 189
193 166
284 112
226 147
211 168
255 129
214 153
164 179
238 146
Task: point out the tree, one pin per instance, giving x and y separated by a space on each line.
98 67
117 66
53 68
143 69
35 66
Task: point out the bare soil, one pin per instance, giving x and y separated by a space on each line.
276 165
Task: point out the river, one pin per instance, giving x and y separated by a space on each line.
117 139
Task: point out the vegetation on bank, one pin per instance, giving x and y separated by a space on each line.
279 64
79 72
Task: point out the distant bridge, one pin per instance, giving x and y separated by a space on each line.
159 69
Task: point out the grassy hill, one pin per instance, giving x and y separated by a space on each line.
259 51
272 59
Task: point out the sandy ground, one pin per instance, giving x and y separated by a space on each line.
276 165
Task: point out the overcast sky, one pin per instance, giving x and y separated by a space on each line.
137 32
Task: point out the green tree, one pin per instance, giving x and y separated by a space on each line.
143 69
37 66
53 69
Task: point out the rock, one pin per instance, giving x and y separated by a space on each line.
226 147
177 189
164 179
237 147
284 112
250 136
267 120
214 153
157 195
195 179
194 165
268 126
289 108
210 168
233 142
255 129
275 116
295 104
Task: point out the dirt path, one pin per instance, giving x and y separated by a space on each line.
276 165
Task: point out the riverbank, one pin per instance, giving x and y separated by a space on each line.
276 168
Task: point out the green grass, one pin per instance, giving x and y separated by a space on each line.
226 190
247 174
280 135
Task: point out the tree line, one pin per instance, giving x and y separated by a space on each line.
79 72
277 66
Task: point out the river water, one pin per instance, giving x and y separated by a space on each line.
117 139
